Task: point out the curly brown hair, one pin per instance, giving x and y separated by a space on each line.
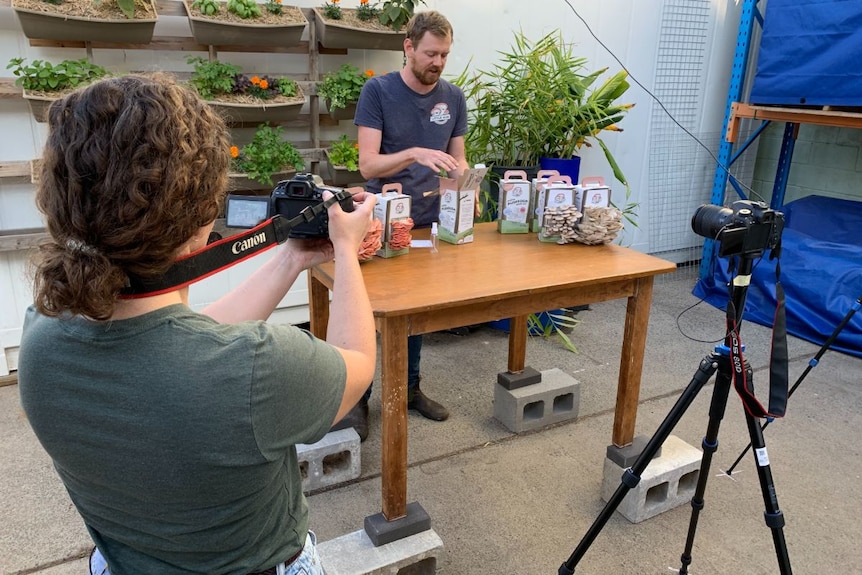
428 21
133 166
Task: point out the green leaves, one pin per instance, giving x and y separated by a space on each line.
344 152
268 153
42 76
343 86
540 101
211 77
245 9
207 7
396 13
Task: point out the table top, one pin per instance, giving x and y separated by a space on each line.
494 266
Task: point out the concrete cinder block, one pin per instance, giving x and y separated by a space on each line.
332 460
355 554
667 482
556 398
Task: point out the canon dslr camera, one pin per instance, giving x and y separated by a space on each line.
288 200
746 227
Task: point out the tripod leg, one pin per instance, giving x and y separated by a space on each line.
632 476
773 515
717 407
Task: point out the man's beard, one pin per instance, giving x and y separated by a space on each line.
427 77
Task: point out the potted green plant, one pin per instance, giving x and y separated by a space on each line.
367 27
540 102
267 158
341 88
342 157
130 21
243 98
43 82
245 23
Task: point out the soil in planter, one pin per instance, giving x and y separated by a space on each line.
289 15
85 9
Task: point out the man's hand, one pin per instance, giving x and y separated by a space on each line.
348 229
435 159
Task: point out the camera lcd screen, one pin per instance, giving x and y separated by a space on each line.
246 211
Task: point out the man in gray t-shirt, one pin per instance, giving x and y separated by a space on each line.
411 128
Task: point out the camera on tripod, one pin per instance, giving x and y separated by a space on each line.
288 199
747 227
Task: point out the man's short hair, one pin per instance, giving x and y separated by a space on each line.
428 21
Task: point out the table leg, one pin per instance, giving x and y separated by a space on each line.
398 519
517 343
318 306
631 362
393 368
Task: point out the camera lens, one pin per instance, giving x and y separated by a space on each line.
708 220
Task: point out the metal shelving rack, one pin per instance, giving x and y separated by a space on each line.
736 110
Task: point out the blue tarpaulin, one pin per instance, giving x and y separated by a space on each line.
821 272
810 52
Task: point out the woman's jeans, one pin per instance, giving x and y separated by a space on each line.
308 562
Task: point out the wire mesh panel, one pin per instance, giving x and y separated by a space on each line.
681 169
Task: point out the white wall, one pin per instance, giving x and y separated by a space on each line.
629 28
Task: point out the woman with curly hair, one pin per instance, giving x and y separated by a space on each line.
174 431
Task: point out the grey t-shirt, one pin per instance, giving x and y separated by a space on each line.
408 119
174 435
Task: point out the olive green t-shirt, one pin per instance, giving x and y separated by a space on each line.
175 435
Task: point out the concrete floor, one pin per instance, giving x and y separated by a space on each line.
508 503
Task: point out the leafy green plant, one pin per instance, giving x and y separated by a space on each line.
396 13
344 152
556 322
42 76
343 86
539 102
367 11
127 7
266 154
207 7
212 78
274 7
332 10
245 9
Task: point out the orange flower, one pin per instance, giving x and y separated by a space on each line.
356 145
255 80
264 84
363 2
369 73
234 152
335 1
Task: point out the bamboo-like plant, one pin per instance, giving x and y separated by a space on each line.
539 101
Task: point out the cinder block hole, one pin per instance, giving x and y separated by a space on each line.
303 469
657 494
564 403
427 566
688 482
336 462
534 410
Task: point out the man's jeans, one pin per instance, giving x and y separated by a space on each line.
308 562
414 356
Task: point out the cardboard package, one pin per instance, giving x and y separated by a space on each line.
595 194
559 192
458 206
393 210
513 206
537 197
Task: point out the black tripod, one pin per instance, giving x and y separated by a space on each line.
720 360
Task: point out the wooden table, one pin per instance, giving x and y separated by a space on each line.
497 276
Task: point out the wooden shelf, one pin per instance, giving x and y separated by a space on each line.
740 110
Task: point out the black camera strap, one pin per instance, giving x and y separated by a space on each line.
778 364
225 252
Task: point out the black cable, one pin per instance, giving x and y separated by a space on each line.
718 163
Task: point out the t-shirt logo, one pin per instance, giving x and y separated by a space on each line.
440 113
